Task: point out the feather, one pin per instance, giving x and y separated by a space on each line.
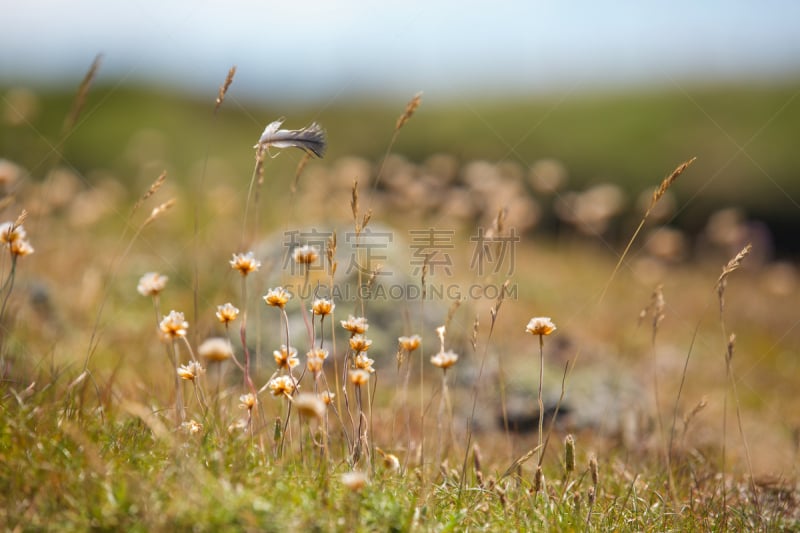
311 139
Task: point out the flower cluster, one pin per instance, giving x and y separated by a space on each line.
190 371
227 313
277 297
13 235
245 263
286 357
174 325
151 284
355 325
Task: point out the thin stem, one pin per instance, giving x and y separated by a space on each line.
541 403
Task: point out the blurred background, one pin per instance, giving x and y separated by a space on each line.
591 94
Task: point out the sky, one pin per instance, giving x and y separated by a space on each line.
323 49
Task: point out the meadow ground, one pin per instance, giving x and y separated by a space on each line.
668 384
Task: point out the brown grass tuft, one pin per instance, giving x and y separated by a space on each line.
80 97
668 181
412 106
223 90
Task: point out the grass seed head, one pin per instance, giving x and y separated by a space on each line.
569 453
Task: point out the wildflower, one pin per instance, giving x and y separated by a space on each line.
286 357
444 360
319 353
281 385
314 365
215 350
359 343
327 397
227 313
192 427
354 480
309 405
245 263
173 325
409 344
277 297
247 401
305 255
322 306
151 284
238 425
355 325
190 371
390 461
362 362
315 360
358 377
21 248
540 326
10 232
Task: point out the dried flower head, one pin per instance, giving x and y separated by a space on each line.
215 350
409 344
227 313
238 425
281 385
355 325
173 325
151 284
190 371
10 232
327 397
390 461
247 401
310 405
444 359
354 480
192 427
277 297
540 326
21 248
362 362
245 263
322 306
319 353
316 358
314 365
305 255
358 377
286 357
359 343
